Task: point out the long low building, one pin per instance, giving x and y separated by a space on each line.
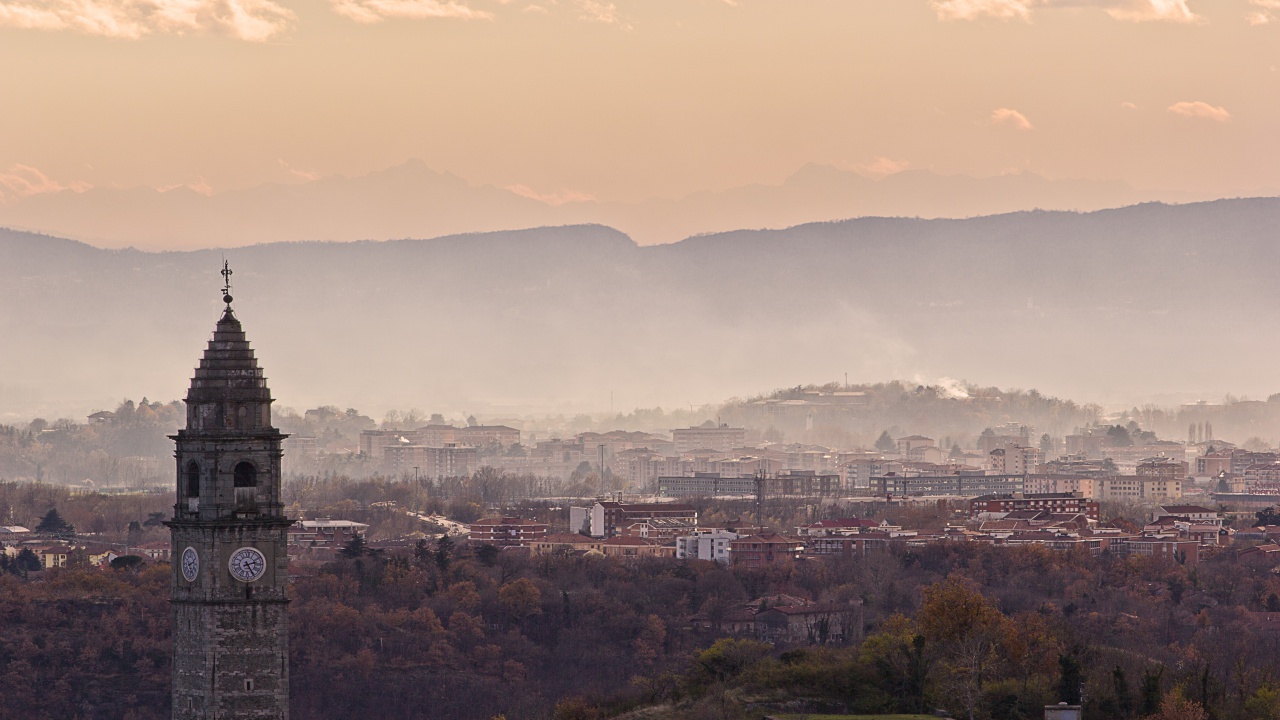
507 531
1001 504
706 485
608 518
962 485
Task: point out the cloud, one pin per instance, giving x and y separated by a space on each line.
1157 10
883 167
973 9
1130 10
1200 110
252 20
1009 116
601 12
300 174
373 11
1265 15
24 181
554 199
199 186
1128 106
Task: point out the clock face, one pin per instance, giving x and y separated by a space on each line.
247 564
190 564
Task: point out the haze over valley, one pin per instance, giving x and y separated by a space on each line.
1150 303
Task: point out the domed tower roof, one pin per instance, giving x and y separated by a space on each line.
229 392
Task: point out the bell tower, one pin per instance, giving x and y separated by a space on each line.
229 533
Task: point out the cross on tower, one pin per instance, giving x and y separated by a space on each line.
226 286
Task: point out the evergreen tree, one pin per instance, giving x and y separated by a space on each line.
26 561
444 552
1124 701
53 523
354 548
1151 691
1070 678
885 443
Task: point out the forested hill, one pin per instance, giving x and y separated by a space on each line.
1110 306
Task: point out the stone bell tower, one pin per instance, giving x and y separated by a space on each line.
230 565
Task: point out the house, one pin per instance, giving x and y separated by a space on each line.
324 532
1184 552
785 619
99 555
706 545
759 551
564 543
856 545
635 547
1194 513
51 556
159 550
812 624
1268 553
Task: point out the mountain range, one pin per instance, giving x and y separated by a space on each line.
412 200
1115 306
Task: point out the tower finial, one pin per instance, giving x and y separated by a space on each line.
226 286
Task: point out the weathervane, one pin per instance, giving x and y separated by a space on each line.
226 286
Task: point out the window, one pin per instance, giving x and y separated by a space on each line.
193 479
246 475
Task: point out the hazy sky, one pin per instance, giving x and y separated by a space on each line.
635 98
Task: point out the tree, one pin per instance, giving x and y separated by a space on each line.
1124 701
1070 679
354 548
422 552
26 561
1268 516
53 523
1264 704
444 552
898 654
1046 445
127 562
885 443
520 599
487 554
1176 707
1151 691
956 616
1118 436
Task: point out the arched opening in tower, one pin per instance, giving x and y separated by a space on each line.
246 475
193 479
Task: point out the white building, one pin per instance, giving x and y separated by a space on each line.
706 545
1016 460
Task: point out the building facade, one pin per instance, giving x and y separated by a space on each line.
720 438
507 531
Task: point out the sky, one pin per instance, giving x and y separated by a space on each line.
634 99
